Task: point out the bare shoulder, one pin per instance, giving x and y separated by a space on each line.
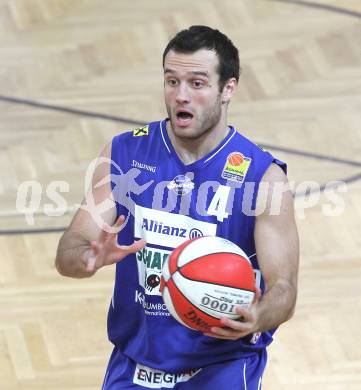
98 205
107 150
274 195
102 164
274 173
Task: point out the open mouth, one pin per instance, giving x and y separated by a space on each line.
183 118
184 115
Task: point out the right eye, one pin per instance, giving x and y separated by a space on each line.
172 82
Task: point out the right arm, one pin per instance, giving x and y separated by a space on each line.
86 246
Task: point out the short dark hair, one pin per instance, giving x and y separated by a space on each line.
203 37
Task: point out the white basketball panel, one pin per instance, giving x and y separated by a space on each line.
165 270
207 245
215 300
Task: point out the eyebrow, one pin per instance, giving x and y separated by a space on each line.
194 72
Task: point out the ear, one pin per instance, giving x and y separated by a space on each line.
228 90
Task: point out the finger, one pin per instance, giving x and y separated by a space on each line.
225 333
119 222
110 233
94 247
135 247
106 235
90 264
93 257
118 252
245 315
235 325
216 336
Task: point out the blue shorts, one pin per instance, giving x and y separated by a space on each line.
241 374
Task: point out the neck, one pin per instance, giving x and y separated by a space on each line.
190 149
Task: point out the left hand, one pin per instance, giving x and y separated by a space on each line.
107 251
246 324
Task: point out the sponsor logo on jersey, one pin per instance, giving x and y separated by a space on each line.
181 185
141 131
150 262
137 164
158 227
194 233
157 379
151 308
236 167
168 229
152 258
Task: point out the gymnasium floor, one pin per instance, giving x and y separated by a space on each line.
75 73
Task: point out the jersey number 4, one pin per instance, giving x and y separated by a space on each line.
219 202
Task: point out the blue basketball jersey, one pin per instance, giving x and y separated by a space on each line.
167 202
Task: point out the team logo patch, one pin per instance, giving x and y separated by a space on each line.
181 185
141 131
236 167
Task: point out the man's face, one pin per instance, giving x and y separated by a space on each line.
191 91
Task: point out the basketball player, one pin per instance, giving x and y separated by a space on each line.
185 176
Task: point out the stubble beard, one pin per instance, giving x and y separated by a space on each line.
207 123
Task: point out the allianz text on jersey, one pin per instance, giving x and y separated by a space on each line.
167 229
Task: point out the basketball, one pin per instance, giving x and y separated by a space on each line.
235 159
204 279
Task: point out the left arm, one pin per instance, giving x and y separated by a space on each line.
277 249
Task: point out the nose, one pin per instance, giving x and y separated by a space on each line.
183 93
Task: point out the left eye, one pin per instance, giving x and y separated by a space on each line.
198 84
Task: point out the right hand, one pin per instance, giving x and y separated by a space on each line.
106 250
